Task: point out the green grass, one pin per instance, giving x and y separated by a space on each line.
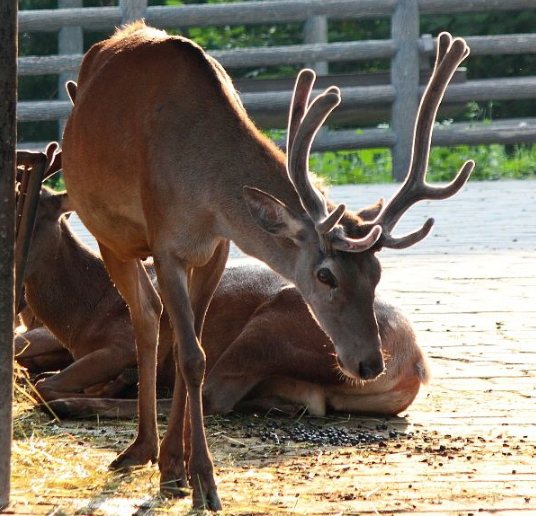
493 162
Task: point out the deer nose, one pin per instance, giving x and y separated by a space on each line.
369 370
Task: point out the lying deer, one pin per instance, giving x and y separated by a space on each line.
263 347
161 160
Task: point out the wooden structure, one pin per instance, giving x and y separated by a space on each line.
8 137
405 49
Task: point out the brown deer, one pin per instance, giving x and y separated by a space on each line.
160 159
263 347
67 287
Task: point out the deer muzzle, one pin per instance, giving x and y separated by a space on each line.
366 369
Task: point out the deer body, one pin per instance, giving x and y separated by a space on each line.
68 288
160 159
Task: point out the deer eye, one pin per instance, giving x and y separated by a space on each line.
326 276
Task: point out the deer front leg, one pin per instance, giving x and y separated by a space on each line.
97 368
186 303
134 285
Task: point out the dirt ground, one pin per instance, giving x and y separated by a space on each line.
467 445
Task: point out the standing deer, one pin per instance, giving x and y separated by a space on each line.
160 159
264 349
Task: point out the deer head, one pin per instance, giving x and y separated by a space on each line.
337 269
38 208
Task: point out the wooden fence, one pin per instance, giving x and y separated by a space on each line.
406 49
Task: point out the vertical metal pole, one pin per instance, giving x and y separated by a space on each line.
315 30
132 10
405 80
70 41
8 136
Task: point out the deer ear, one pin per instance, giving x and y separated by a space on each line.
370 213
272 215
66 204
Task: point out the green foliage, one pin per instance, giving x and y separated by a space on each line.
56 182
349 167
493 162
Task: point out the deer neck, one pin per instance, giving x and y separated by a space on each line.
267 173
64 289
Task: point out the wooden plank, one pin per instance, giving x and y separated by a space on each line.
70 41
52 20
255 103
240 13
8 138
494 45
282 11
315 30
492 89
405 80
458 133
469 6
132 10
239 57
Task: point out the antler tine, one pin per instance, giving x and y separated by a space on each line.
300 101
444 41
326 225
298 157
444 192
357 245
441 77
450 53
410 239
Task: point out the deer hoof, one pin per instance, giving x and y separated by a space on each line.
67 408
205 494
173 487
132 458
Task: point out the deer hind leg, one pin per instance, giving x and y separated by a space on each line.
134 285
187 293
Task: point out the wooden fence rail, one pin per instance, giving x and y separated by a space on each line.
250 13
406 50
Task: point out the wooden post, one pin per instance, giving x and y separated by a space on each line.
405 80
8 136
315 30
70 41
132 10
